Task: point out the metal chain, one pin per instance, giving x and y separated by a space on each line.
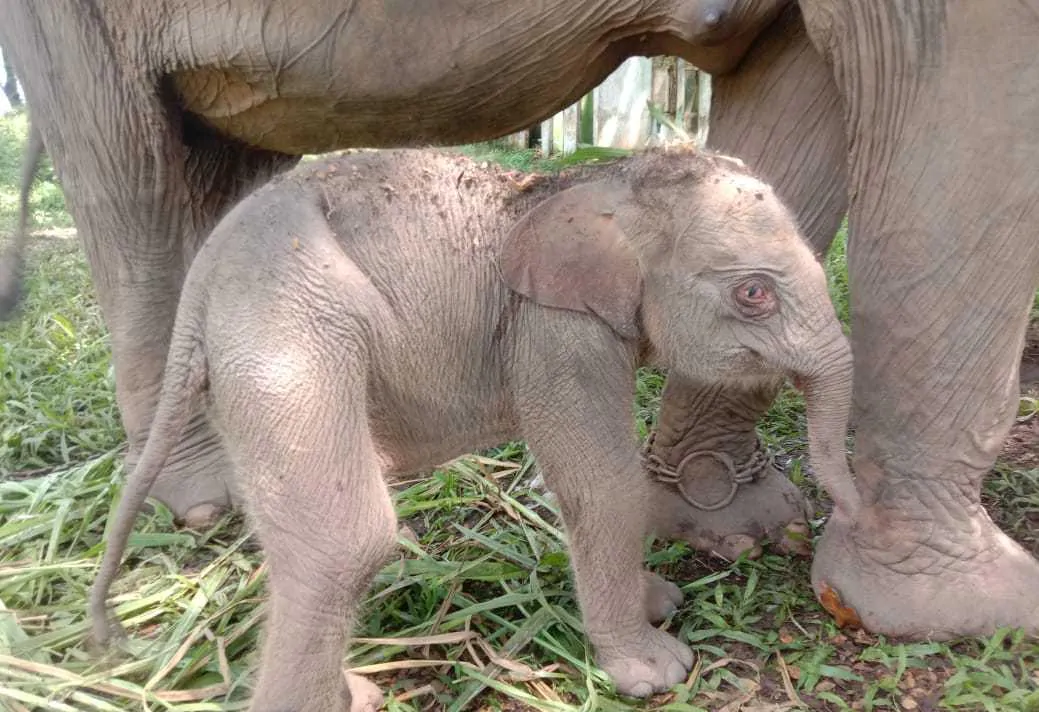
740 474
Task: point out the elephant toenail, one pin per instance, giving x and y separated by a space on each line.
795 539
713 18
642 689
735 545
202 516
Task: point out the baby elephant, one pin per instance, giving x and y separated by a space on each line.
382 312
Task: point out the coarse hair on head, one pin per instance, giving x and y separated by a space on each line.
664 166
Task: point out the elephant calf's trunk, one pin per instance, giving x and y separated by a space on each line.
828 393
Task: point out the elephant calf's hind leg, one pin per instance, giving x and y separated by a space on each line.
326 523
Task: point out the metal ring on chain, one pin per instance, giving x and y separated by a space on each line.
746 473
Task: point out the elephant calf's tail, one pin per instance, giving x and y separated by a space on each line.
184 380
13 260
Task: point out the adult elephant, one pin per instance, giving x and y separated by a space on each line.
158 118
880 109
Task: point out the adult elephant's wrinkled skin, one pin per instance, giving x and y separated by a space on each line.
193 104
915 117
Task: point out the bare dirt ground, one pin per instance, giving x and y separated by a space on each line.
1021 448
1030 362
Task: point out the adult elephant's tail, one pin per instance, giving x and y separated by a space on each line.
12 261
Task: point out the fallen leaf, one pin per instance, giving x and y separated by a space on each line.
863 638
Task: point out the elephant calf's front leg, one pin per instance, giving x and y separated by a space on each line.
603 501
581 431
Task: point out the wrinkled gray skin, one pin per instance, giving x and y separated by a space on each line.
858 107
913 117
382 312
198 103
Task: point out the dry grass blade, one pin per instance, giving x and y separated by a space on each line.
788 684
57 673
417 692
415 640
400 665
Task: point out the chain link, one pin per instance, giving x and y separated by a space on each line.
740 474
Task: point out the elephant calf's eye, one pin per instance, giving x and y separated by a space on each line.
755 298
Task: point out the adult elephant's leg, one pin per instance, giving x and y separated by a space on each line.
139 251
781 113
944 260
212 174
142 189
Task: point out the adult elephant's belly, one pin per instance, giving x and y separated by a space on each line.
389 74
280 119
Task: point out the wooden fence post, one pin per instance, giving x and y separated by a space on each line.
698 103
566 125
621 116
518 140
663 85
616 113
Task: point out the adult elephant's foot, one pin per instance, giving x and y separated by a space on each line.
714 485
196 482
933 577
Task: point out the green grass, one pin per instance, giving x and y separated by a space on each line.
476 613
530 159
47 202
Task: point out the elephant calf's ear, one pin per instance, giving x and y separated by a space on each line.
568 252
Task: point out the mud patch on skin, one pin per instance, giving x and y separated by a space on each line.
843 616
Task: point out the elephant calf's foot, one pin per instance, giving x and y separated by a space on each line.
769 508
662 597
650 661
969 581
365 696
